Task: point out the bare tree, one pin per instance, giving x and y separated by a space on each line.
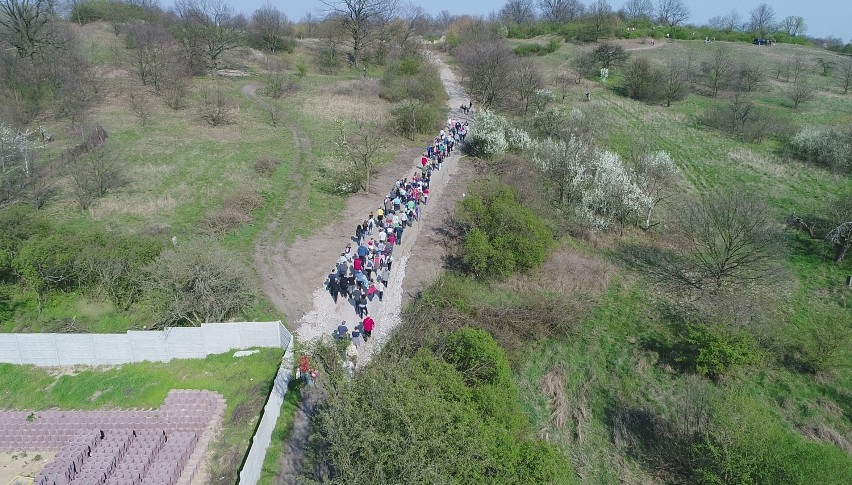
762 19
827 65
93 175
729 240
672 12
748 76
718 70
527 79
608 55
731 22
794 26
521 12
208 26
489 67
139 104
360 147
267 25
846 74
674 86
154 49
800 91
600 17
840 220
27 25
216 107
561 10
360 18
639 9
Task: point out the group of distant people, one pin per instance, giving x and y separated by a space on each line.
362 271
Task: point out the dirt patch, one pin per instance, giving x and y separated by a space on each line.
22 465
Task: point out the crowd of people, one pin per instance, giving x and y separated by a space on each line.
362 271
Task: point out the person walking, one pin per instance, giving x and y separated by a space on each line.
367 326
380 289
331 285
362 306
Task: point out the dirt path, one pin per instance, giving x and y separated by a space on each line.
270 247
417 261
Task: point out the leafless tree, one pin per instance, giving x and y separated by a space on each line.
27 25
563 81
93 175
794 26
175 85
17 153
599 16
608 55
846 74
521 12
489 67
800 91
139 104
526 80
672 12
154 47
360 20
827 65
639 9
748 76
268 27
561 10
674 85
359 147
731 22
840 220
208 26
762 19
718 70
730 240
216 107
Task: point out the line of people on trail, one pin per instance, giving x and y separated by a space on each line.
362 270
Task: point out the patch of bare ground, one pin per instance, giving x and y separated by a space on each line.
24 466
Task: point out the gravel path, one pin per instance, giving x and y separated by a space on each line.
324 316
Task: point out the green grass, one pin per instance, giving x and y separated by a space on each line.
280 435
244 382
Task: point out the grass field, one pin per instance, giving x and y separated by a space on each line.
244 382
609 365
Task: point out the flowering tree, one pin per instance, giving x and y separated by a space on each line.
610 195
563 163
655 175
16 157
488 136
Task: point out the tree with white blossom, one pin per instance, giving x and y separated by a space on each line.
655 174
16 158
610 194
488 136
563 163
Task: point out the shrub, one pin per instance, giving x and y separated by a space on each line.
116 263
501 235
196 283
478 357
412 78
413 117
49 263
266 165
717 350
830 147
642 80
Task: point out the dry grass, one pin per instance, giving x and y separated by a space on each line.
566 272
553 386
827 434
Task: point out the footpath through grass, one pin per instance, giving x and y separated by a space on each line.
244 382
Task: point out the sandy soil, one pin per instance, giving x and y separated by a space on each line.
22 464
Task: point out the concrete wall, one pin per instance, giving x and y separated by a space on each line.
253 464
55 349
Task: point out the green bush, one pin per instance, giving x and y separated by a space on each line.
526 50
48 263
747 444
717 350
416 420
412 78
19 223
478 357
501 235
414 117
